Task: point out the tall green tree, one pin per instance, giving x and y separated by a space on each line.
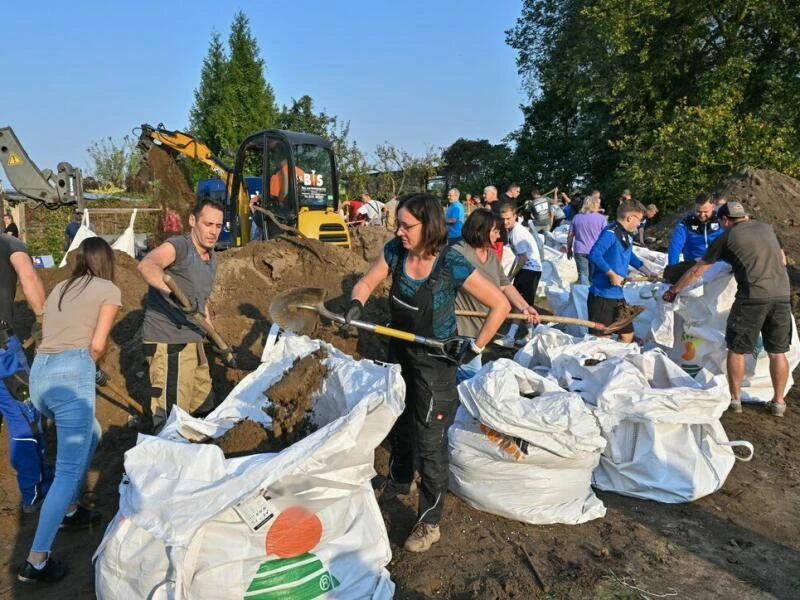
204 116
474 164
233 98
664 96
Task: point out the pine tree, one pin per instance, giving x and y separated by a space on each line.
233 98
209 94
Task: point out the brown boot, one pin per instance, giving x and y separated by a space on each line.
422 537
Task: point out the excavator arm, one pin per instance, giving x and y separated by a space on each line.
181 143
41 186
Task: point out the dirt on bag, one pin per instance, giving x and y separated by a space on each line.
291 398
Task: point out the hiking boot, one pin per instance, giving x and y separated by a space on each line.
83 517
389 490
422 537
735 406
776 408
51 572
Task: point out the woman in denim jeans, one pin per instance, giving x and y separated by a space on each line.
586 227
78 316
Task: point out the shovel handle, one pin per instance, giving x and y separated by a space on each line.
223 347
542 318
399 334
110 385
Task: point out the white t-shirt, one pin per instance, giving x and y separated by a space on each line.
373 211
522 242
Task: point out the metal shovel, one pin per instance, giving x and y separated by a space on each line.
297 309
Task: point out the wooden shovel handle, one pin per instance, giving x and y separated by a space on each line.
542 318
110 385
200 320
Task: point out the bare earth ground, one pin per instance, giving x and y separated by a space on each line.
740 542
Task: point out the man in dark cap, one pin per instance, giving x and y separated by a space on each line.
762 302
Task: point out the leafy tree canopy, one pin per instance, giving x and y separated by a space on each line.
663 96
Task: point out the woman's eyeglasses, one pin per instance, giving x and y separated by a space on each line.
406 227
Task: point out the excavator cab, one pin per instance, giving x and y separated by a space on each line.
298 186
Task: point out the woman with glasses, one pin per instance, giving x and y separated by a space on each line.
426 275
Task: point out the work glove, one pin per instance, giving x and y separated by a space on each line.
191 310
461 350
36 331
354 311
100 377
670 295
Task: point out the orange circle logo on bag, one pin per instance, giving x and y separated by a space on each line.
294 532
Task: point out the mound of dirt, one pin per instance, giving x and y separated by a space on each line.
245 438
161 174
771 197
290 398
767 195
290 410
368 241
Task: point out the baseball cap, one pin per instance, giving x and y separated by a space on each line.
733 210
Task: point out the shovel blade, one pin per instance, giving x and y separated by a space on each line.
633 311
297 309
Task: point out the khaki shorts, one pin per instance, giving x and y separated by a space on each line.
179 375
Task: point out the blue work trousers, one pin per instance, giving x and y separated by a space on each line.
26 439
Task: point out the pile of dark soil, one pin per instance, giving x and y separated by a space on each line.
245 438
290 398
290 409
160 174
767 195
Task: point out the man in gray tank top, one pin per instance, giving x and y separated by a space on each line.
173 343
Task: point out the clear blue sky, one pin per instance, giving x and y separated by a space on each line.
418 74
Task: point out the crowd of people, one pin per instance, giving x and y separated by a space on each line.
442 258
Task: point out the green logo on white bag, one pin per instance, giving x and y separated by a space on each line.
296 573
300 578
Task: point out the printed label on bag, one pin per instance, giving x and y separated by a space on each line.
255 511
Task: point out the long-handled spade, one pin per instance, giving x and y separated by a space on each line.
633 312
297 310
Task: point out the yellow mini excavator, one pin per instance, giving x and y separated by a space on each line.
291 174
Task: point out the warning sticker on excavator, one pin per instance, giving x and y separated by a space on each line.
14 160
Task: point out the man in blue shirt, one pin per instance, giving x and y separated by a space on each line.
72 228
612 255
694 234
454 216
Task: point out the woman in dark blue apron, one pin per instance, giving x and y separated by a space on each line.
426 275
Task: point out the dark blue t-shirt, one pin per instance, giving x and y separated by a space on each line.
72 229
458 269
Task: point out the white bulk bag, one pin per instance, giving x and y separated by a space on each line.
692 330
524 458
665 440
84 231
126 242
314 525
